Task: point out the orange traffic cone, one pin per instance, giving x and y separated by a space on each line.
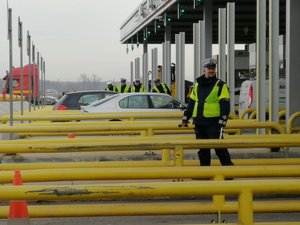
18 212
71 135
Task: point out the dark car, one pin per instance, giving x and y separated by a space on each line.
73 100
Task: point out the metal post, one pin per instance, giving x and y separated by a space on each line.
10 68
39 84
44 72
154 65
182 80
274 60
261 62
202 44
131 73
196 40
29 70
230 50
163 72
222 45
180 65
137 68
145 71
208 18
292 58
20 43
168 64
33 77
42 82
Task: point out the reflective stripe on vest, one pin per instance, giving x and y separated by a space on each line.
211 104
164 87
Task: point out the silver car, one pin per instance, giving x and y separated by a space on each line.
136 102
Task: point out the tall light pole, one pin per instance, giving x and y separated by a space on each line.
20 43
29 69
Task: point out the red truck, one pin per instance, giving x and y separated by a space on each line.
34 74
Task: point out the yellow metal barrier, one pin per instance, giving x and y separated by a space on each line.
161 208
290 128
47 175
93 116
244 189
141 145
149 163
133 126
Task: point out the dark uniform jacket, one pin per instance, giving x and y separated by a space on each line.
205 86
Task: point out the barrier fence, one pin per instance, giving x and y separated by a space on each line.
245 190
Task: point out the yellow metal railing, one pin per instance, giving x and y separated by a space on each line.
148 163
290 128
143 173
147 144
149 128
245 190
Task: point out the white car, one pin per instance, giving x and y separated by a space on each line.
136 102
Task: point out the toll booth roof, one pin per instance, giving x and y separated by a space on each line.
149 20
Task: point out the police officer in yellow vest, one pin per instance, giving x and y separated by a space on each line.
160 87
124 88
110 87
209 106
138 86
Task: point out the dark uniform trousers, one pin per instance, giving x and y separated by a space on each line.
211 132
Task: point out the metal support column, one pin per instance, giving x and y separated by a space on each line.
137 74
202 44
261 62
154 53
208 17
145 78
196 41
10 77
274 60
29 70
222 45
230 52
167 69
180 66
20 43
292 57
131 72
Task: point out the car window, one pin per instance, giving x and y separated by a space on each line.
164 102
88 99
134 102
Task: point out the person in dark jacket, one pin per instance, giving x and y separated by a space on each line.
160 87
210 107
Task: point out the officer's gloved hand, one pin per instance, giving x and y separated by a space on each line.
223 121
184 123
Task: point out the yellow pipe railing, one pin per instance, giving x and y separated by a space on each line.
149 163
290 128
47 175
134 126
141 145
144 209
244 189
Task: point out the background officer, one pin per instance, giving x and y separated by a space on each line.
138 86
123 88
209 106
110 87
160 87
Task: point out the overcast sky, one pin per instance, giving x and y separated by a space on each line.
73 36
